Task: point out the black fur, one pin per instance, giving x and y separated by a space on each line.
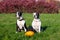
20 14
25 26
30 28
36 15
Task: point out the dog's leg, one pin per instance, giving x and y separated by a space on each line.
39 29
17 28
25 28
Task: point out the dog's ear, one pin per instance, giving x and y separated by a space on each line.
37 15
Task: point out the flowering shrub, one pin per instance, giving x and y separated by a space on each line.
27 6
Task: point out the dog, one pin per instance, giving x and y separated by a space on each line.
21 24
36 24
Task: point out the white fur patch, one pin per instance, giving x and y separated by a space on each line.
34 14
20 23
36 24
21 18
17 15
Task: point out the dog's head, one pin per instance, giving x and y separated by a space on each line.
36 15
19 14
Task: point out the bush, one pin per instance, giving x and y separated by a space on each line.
27 6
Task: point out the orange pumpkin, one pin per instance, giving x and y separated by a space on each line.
29 33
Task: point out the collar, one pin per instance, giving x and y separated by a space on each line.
21 19
36 20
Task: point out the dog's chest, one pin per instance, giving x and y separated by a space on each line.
20 23
36 24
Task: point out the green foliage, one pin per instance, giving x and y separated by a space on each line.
8 27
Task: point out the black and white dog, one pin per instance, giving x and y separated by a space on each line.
21 24
36 24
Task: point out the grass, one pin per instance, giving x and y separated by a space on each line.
8 27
